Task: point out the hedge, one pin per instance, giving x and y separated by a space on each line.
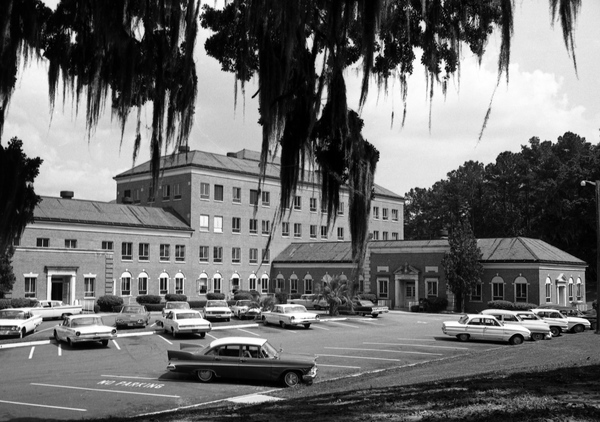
172 297
511 306
148 299
215 296
242 295
281 297
17 302
110 303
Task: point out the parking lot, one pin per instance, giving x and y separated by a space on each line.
43 379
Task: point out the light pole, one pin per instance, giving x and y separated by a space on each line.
596 184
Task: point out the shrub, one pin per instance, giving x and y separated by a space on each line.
521 306
281 297
172 297
154 307
414 308
500 304
17 302
197 304
267 303
109 302
148 299
436 304
96 309
295 296
255 295
242 295
5 303
215 296
368 296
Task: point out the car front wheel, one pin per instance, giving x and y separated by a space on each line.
104 343
463 337
306 325
291 379
204 375
264 320
578 328
56 336
537 336
555 331
22 333
517 339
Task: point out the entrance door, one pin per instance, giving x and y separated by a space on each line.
409 294
57 288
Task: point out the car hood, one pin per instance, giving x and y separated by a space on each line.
298 358
578 320
12 321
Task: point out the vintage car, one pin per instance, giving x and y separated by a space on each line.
309 302
570 311
174 305
51 309
242 358
363 307
245 309
592 316
287 315
574 324
84 328
132 316
179 321
556 326
540 330
485 327
217 309
18 322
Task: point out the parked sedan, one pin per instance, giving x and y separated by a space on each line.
18 322
84 328
217 309
245 309
557 326
364 307
309 301
289 315
132 316
485 327
242 358
180 321
174 304
575 324
540 330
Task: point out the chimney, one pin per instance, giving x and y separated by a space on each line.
66 194
184 148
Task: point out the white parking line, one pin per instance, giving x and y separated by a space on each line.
249 332
31 353
116 344
59 350
357 357
319 327
27 344
418 345
165 339
143 333
43 405
129 377
382 350
345 325
101 390
339 366
213 337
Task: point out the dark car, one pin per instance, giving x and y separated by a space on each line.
132 316
242 358
364 307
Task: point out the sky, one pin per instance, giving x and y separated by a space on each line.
544 98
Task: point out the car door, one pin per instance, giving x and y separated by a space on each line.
493 330
475 328
253 365
226 361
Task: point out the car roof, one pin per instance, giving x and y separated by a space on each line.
252 341
78 316
182 311
497 311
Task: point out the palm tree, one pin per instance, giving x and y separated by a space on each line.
335 291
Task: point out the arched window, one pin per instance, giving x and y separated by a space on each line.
280 283
293 283
217 283
497 288
308 283
521 289
202 283
252 282
548 290
126 284
235 282
579 289
163 284
143 283
179 284
264 283
570 291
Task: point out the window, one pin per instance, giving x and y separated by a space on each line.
176 191
166 192
143 284
313 204
578 289
394 215
235 282
218 193
236 255
394 236
253 255
384 235
285 229
323 232
42 242
236 194
204 191
265 256
165 252
71 243
217 283
253 225
476 293
340 233
293 284
126 251
151 194
497 288
163 284
382 287
126 284
297 230
107 245
218 254
548 290
384 213
179 284
144 251
264 282
308 284
266 198
521 289
203 256
253 197
376 213
571 290
313 231
432 288
16 241
88 287
376 235
180 253
280 283
266 225
297 202
236 224
202 284
204 222
218 224
252 282
341 208
30 286
323 207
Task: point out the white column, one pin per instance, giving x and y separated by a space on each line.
48 286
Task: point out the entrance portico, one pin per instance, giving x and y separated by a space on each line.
60 284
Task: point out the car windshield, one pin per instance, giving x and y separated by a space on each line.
175 305
216 303
529 317
365 303
188 315
294 309
82 322
133 309
463 319
244 302
12 315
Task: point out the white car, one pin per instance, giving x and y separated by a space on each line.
217 309
557 326
309 301
245 309
49 309
289 315
18 322
84 328
179 321
574 324
485 327
174 305
540 330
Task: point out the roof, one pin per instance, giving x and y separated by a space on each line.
253 341
105 213
338 252
523 249
244 162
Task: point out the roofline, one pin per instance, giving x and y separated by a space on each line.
109 223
